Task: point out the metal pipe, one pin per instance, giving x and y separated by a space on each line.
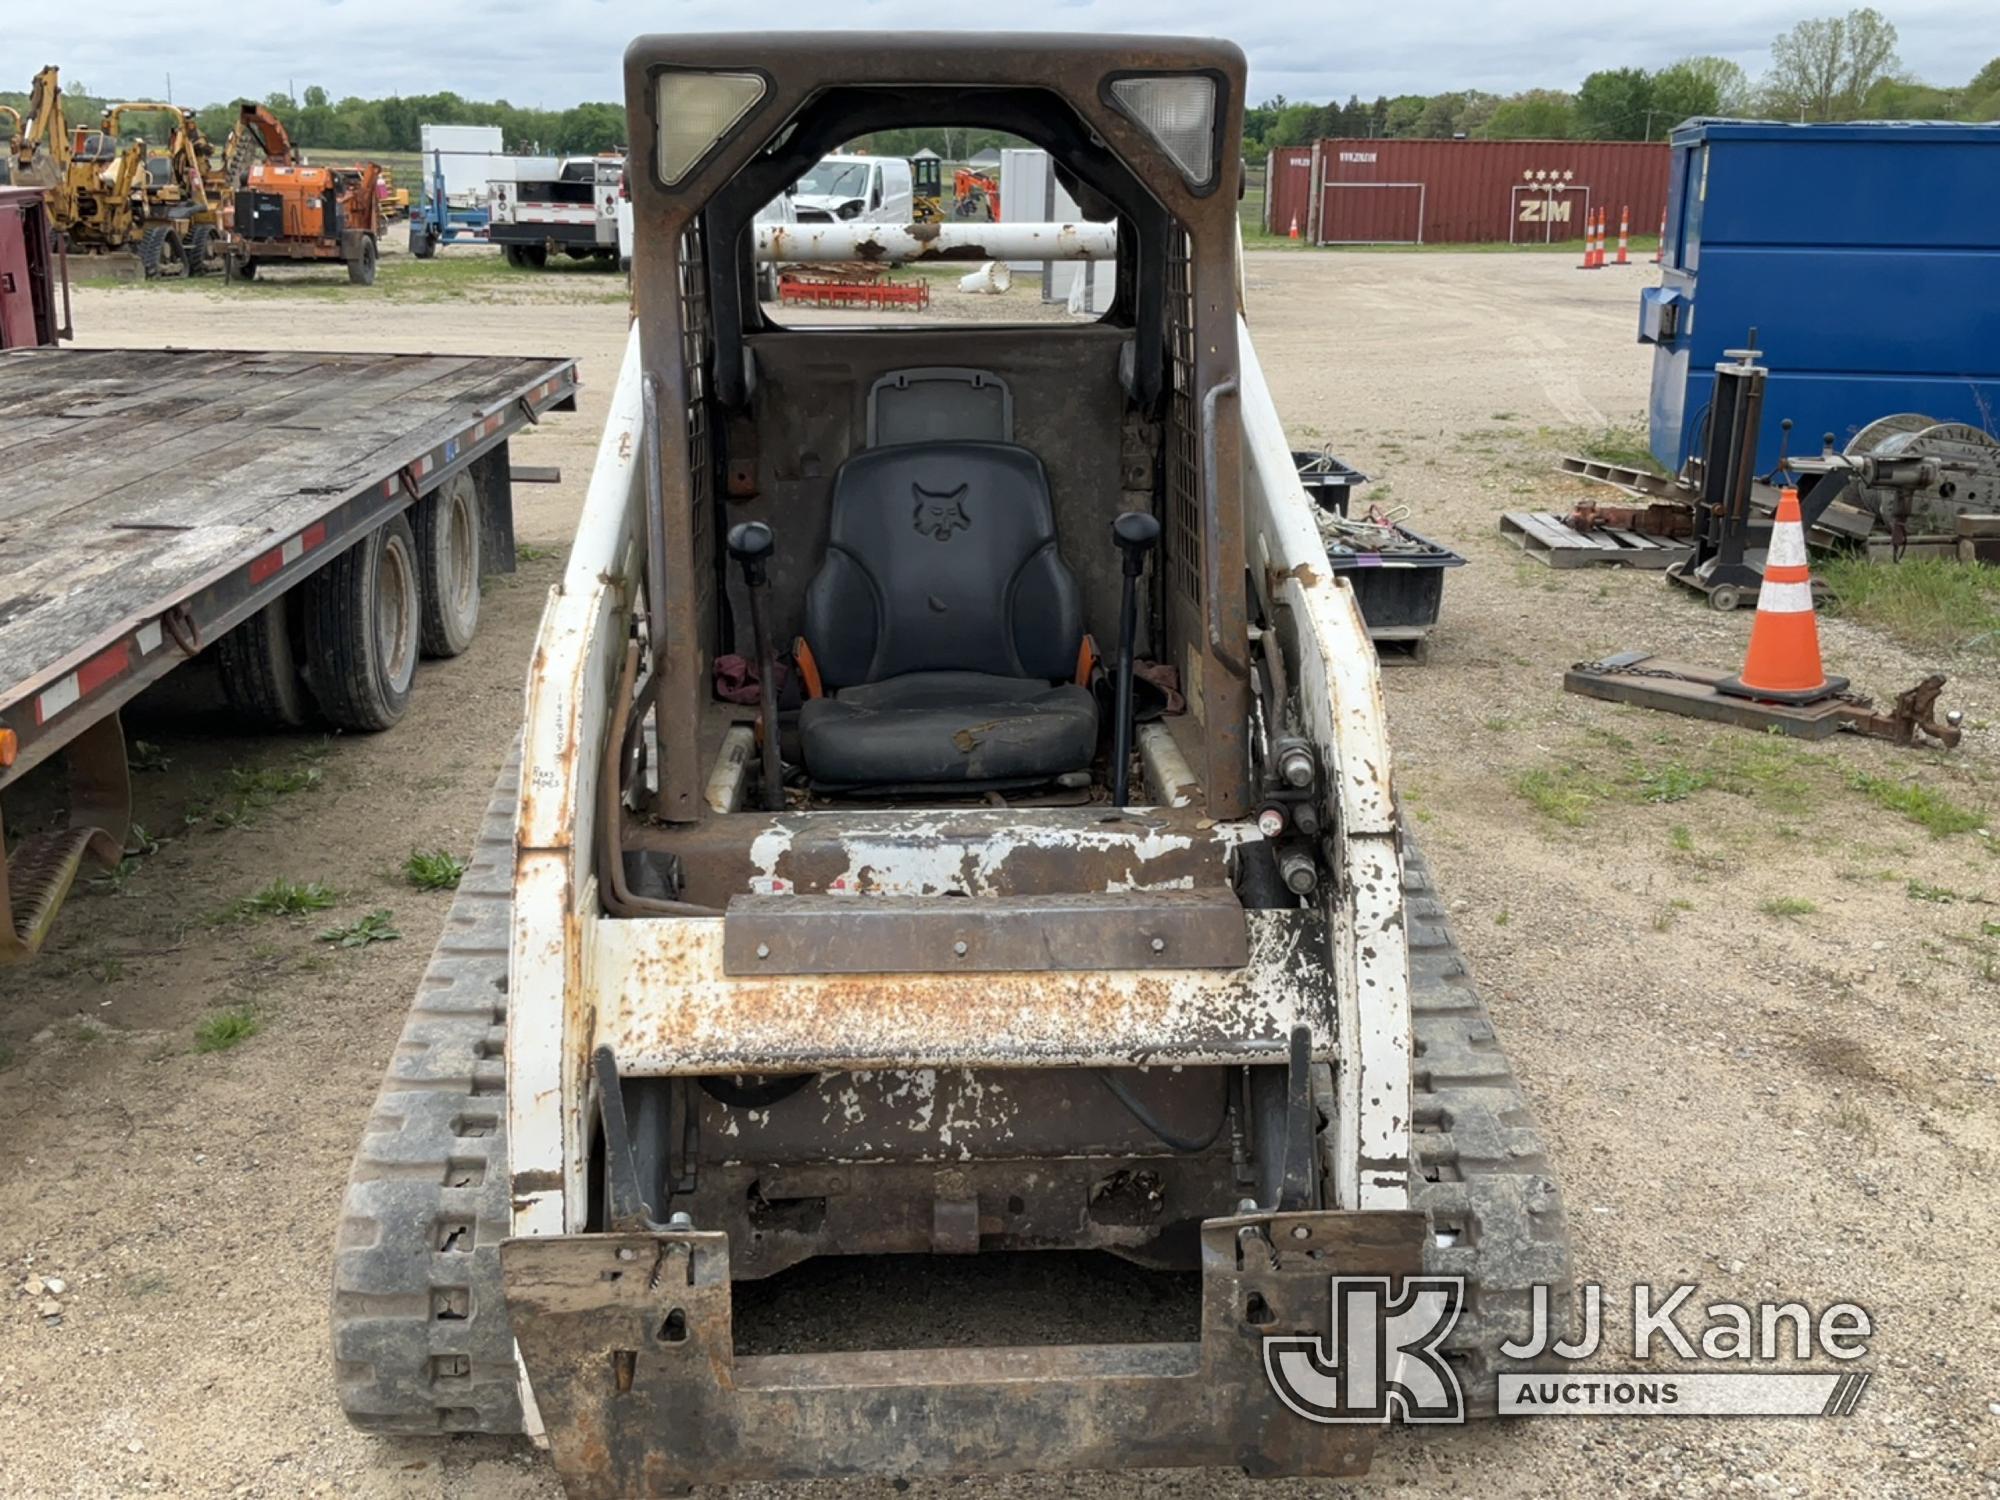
845 241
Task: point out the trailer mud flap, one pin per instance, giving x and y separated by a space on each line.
629 1345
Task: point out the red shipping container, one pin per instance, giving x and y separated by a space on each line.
1288 180
1415 192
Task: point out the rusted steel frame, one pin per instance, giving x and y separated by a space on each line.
668 1009
973 852
617 895
829 1136
1201 928
99 818
1915 709
1133 1206
629 1343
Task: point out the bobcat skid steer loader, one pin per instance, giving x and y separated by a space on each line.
953 831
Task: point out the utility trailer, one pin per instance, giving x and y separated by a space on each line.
948 951
316 520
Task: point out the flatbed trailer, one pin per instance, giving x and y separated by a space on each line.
158 503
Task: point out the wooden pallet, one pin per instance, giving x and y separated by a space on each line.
1691 690
1543 536
1624 477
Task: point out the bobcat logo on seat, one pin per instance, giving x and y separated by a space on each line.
940 512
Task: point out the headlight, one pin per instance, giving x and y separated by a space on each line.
1178 111
696 110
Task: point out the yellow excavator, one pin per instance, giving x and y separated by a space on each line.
93 187
181 191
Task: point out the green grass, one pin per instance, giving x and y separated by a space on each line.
1917 890
1673 782
436 870
147 756
376 927
1930 810
1930 603
224 1029
286 898
1563 794
1624 446
266 784
1787 906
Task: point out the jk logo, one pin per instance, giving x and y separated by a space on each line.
1382 1359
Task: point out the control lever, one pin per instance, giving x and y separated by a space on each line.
750 543
1136 534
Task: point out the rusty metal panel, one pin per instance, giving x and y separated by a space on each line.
1288 190
947 852
664 1006
1200 929
629 1343
1476 192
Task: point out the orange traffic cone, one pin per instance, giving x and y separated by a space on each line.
1782 664
1624 235
1660 250
1295 226
1590 257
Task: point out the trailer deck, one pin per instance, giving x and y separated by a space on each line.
152 499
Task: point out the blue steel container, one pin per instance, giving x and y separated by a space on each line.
1866 256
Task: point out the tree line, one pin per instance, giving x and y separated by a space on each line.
1832 68
316 121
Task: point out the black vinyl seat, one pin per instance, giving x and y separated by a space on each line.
944 626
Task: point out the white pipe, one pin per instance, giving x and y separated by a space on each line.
952 240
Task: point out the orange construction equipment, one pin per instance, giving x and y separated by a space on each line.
1624 234
1782 664
286 210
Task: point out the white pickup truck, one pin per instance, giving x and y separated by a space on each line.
570 206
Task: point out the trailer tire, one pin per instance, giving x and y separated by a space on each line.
422 246
421 1339
238 267
361 270
449 558
260 671
161 252
1479 1163
200 250
363 616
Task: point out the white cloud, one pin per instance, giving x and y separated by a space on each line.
556 52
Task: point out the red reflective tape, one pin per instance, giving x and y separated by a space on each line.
313 535
263 567
102 667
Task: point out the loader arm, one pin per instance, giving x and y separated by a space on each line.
44 127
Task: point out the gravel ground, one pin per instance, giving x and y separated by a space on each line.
1798 1106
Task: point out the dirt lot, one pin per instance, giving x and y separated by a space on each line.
1750 991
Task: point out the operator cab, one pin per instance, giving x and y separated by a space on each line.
910 566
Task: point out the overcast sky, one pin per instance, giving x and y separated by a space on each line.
556 52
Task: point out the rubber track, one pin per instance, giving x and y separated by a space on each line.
421 1341
1481 1166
